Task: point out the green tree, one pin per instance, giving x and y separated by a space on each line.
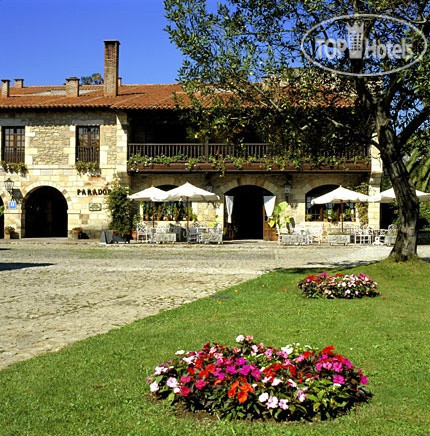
94 79
245 53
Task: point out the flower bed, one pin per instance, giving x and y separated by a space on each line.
254 381
338 286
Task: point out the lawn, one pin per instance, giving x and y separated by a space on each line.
97 386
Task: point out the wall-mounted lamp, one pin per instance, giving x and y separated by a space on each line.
287 188
8 185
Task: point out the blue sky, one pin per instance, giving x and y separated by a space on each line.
45 41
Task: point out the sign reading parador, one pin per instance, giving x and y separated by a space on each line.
99 191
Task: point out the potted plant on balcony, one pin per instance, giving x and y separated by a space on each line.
9 232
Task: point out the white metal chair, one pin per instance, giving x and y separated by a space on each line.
142 232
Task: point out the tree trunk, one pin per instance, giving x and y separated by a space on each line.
405 247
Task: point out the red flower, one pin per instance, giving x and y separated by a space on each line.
232 390
328 350
184 390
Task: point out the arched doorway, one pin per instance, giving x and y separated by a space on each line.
1 219
248 212
45 213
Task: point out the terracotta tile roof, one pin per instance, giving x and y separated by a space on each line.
137 97
92 96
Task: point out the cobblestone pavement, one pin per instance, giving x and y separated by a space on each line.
56 292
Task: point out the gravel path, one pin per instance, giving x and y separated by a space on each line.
58 292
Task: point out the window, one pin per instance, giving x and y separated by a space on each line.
88 144
329 211
13 144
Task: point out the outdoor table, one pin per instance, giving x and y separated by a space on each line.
165 237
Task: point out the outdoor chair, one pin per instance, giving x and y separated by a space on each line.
142 233
363 235
315 234
193 234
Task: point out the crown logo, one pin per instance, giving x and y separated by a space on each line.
355 40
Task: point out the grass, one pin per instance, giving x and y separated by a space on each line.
97 386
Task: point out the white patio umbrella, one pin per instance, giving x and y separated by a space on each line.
151 194
188 192
341 195
388 196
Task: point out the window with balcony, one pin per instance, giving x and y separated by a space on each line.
88 144
13 144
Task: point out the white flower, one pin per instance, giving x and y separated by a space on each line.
179 352
154 387
288 349
272 403
276 381
292 383
283 404
301 396
263 397
160 370
172 382
240 338
189 360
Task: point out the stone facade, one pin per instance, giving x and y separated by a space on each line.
50 154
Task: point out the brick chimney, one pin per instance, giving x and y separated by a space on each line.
5 88
72 87
19 83
111 61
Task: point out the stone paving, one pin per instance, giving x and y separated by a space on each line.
55 292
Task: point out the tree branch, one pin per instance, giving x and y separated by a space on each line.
411 128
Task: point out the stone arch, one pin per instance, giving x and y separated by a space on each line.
29 189
44 211
250 180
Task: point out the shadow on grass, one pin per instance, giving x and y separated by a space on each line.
328 267
21 265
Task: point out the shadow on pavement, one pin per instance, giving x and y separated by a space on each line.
21 265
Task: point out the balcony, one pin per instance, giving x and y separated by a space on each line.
248 157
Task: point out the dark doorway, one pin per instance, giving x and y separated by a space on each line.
247 217
45 214
1 220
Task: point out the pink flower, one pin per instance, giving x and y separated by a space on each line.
231 369
172 382
249 338
256 374
245 370
364 380
327 365
200 384
338 379
185 379
337 366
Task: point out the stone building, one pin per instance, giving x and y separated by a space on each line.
64 146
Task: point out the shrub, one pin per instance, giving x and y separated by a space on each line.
339 286
254 381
